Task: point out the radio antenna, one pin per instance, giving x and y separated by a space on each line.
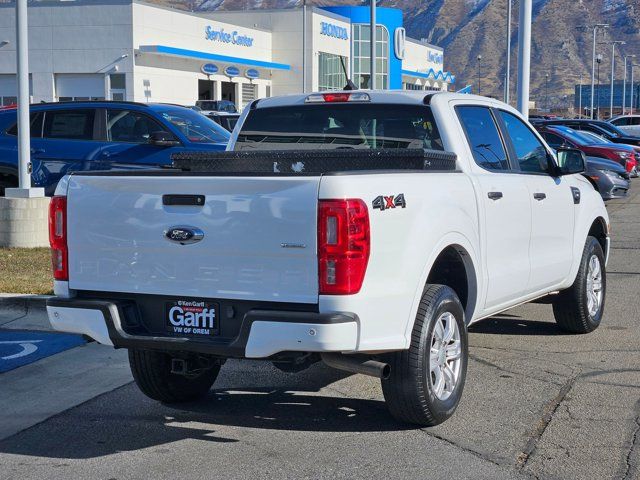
350 85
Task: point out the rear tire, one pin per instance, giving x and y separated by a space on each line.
426 381
152 373
579 308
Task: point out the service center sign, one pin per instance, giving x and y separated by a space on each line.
219 35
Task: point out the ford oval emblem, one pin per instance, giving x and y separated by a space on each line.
184 235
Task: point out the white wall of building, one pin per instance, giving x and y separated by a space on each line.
88 38
82 42
421 57
166 78
328 44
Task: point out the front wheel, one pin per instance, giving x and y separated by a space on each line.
579 308
426 381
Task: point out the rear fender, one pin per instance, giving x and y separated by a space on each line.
464 246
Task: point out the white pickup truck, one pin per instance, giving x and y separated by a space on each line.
364 229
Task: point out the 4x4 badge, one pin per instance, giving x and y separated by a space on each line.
384 202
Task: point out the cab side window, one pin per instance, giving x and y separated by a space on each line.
621 121
531 153
131 127
554 141
483 137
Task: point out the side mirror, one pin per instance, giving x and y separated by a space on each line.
163 139
570 161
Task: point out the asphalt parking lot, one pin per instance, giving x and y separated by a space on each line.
538 403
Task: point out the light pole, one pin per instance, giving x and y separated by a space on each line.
304 46
593 58
632 88
580 98
524 56
479 57
546 91
372 81
613 72
24 135
508 72
624 83
599 61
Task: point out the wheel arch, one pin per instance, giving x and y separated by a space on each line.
454 263
599 231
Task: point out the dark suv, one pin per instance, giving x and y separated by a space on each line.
68 137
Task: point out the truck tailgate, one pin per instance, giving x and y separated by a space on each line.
259 236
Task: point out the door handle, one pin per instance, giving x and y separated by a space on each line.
37 150
539 196
494 195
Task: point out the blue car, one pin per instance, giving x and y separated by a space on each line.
103 135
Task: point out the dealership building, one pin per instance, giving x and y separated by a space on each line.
132 50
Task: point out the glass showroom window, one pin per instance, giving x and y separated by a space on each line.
361 52
331 75
412 86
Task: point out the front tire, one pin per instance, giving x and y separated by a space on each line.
426 381
152 373
579 308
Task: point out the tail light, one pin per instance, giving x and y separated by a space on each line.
58 237
343 245
629 164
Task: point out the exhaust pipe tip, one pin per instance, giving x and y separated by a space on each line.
385 373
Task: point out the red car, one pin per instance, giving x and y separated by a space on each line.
560 136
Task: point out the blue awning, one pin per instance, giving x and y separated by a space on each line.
181 52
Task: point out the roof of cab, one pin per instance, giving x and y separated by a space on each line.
409 97
99 104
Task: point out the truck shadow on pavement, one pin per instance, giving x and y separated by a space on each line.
266 400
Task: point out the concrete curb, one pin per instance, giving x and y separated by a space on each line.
23 301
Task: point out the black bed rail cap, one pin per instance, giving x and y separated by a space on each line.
291 162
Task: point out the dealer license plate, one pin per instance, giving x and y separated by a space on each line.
192 317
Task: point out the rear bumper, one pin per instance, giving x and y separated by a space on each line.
262 333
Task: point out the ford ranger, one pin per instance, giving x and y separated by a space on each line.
365 229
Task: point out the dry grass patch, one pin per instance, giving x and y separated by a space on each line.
25 270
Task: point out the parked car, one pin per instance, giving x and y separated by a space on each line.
595 137
442 209
629 124
212 106
226 120
80 136
560 136
602 128
608 178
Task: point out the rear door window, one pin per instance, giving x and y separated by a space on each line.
69 124
35 125
483 137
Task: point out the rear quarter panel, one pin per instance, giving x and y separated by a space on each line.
440 211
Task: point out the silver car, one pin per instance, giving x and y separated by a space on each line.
629 124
